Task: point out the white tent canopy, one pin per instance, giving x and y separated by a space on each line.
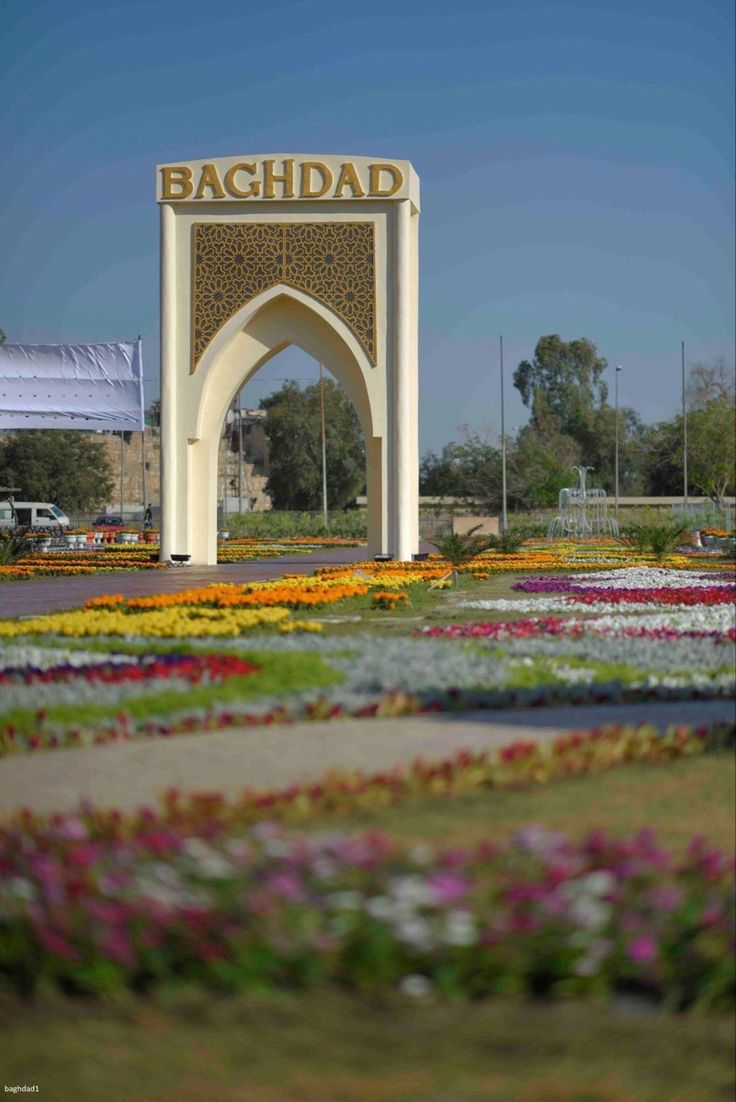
72 386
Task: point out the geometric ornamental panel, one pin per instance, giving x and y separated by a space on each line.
232 262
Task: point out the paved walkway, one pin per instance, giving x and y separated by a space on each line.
129 775
38 595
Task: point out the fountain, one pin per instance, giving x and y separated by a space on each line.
582 512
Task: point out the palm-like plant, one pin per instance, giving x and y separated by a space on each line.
13 547
460 548
660 539
508 542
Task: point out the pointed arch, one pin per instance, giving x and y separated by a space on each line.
271 321
261 329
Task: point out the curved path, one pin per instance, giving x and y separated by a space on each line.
38 595
129 775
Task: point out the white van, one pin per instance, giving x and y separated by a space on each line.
32 514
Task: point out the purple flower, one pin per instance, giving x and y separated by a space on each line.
448 887
643 949
286 885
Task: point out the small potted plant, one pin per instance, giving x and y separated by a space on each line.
128 535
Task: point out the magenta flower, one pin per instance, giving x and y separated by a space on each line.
58 945
448 887
643 950
286 885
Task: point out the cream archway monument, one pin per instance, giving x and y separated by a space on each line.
264 251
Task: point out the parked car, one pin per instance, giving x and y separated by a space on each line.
32 514
109 523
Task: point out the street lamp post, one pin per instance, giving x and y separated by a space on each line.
323 434
504 511
240 452
618 370
684 429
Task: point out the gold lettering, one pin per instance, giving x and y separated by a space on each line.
209 178
349 178
253 188
306 191
176 176
375 171
287 179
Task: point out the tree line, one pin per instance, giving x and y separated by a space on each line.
571 421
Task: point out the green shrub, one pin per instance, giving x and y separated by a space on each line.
659 539
460 548
275 524
13 547
508 542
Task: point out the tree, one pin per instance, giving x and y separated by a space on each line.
711 436
707 382
540 464
68 468
711 432
469 469
154 413
564 383
662 464
292 426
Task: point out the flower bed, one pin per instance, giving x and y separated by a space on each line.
102 558
537 913
537 557
116 670
292 591
614 637
632 585
165 623
518 765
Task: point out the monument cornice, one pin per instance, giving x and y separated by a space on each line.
269 177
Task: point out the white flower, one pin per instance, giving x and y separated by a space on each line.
600 882
206 860
415 932
421 854
380 907
590 913
459 928
411 891
415 985
346 901
18 888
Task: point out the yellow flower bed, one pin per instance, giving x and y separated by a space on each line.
170 623
294 592
538 558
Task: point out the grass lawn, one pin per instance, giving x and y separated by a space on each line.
335 1048
277 673
189 1046
433 606
675 799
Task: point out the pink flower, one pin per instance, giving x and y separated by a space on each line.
643 949
286 885
82 856
117 946
55 943
448 887
665 897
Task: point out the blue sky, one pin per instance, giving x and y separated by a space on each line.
576 161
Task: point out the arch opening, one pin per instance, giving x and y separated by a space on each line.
248 342
283 470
